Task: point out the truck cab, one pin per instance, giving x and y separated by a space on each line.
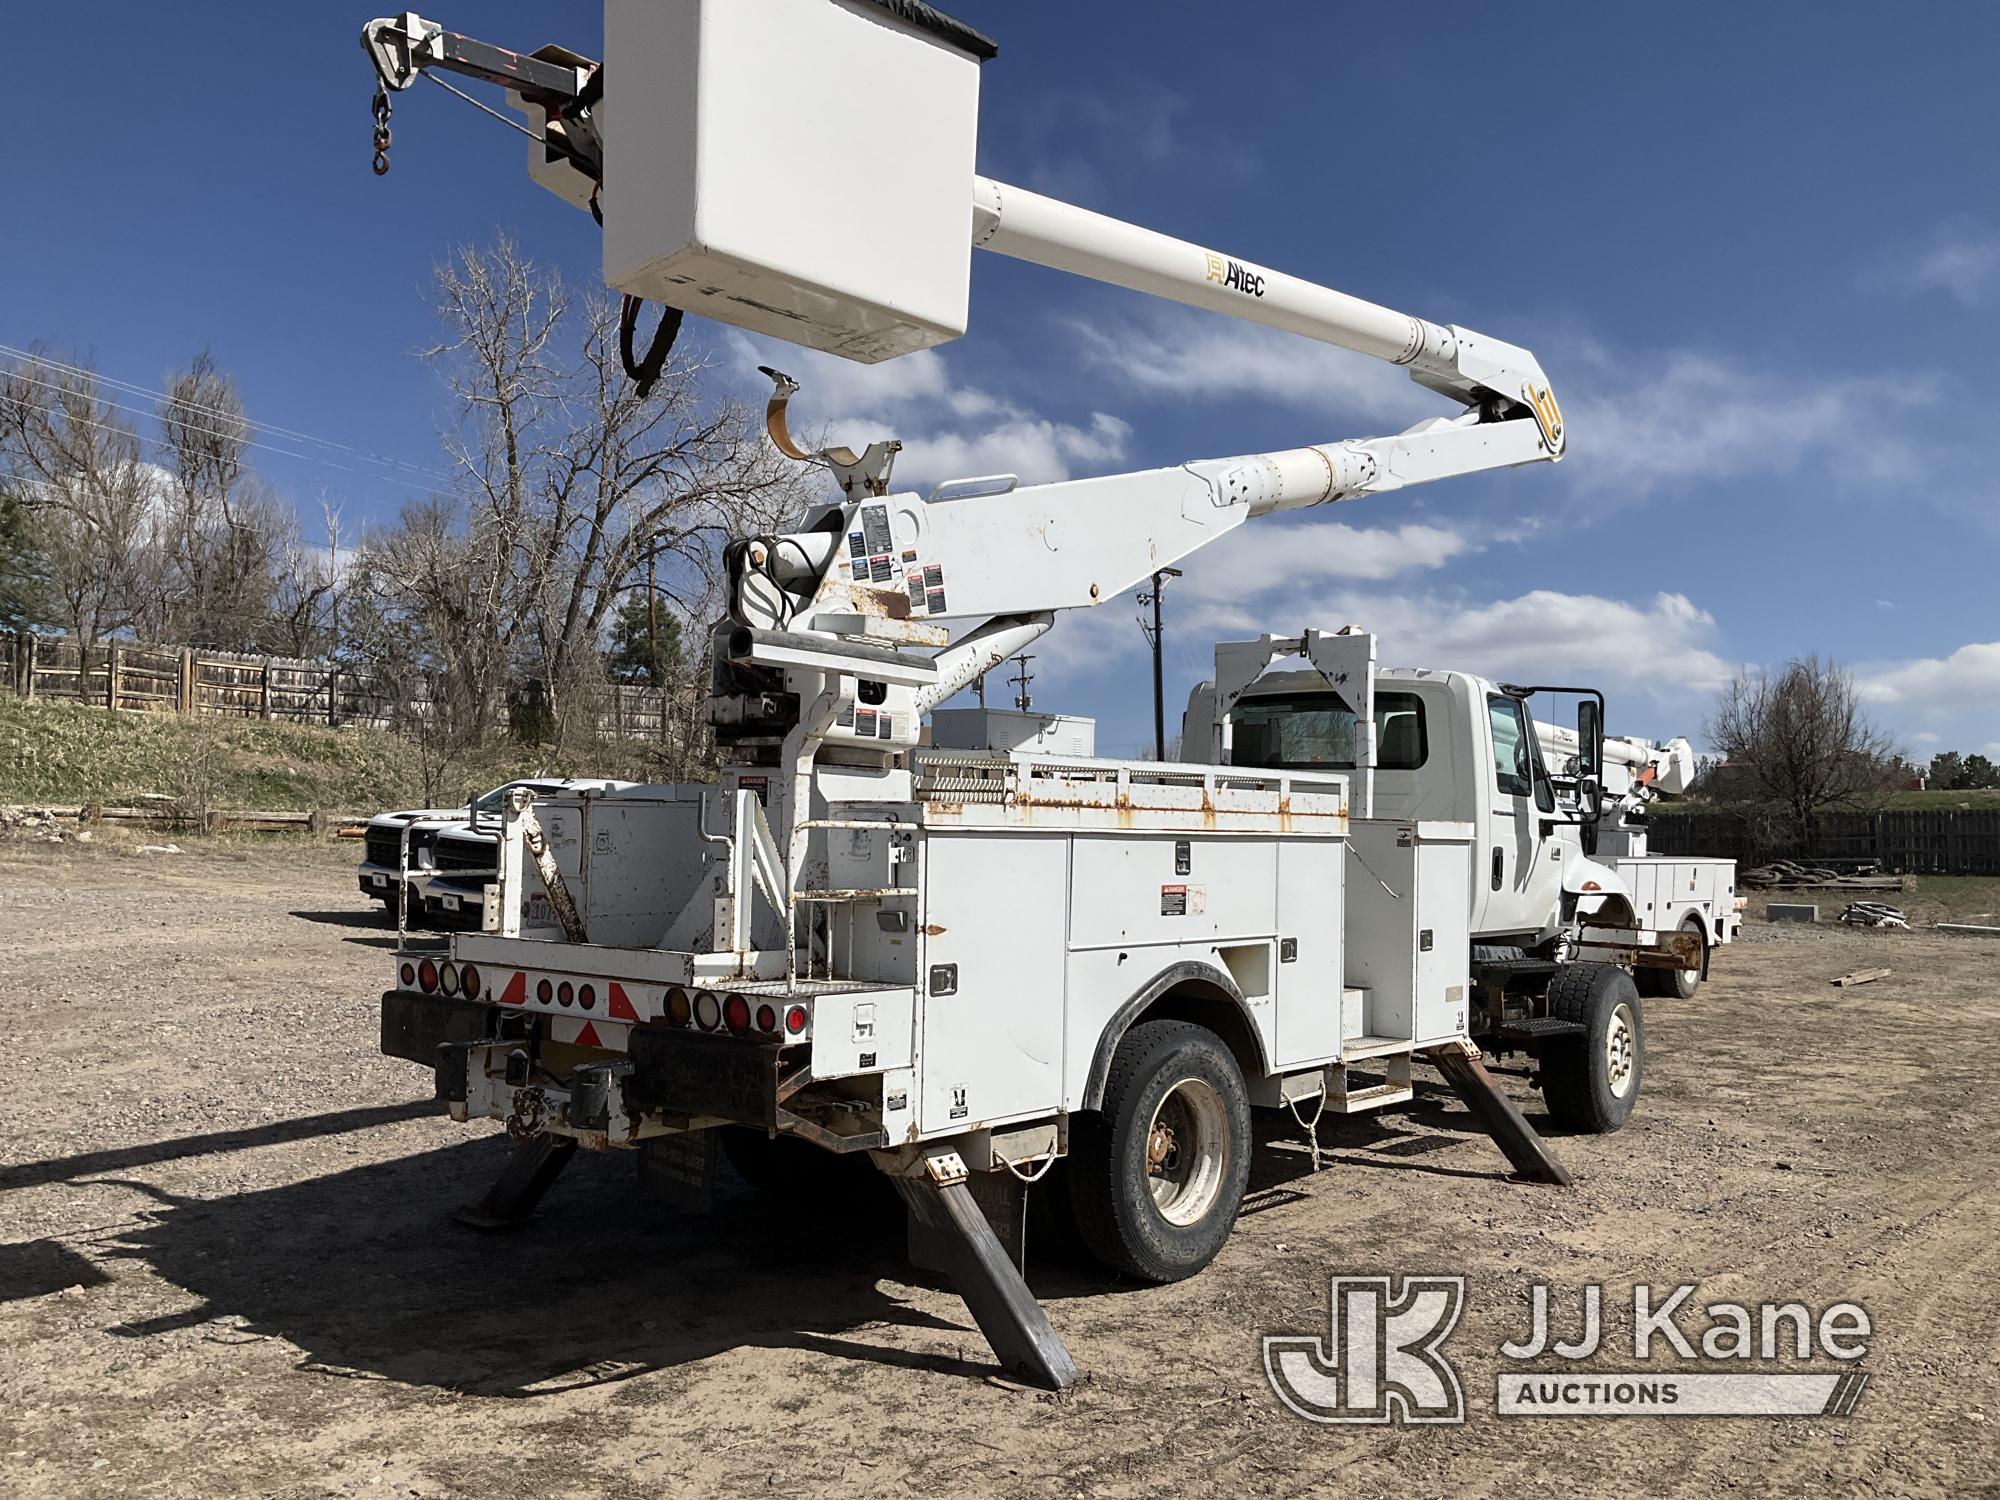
1448 746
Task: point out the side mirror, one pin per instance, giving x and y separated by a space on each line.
1589 740
1590 798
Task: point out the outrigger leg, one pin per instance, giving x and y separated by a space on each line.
1530 1154
1028 1347
536 1164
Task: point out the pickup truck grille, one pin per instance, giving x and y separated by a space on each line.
384 846
459 853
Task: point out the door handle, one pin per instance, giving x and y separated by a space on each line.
1499 866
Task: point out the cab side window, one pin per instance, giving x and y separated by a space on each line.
1513 770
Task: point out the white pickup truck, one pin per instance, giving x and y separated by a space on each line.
384 863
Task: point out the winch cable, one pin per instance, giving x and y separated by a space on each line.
645 372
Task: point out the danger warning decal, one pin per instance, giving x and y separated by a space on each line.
1183 900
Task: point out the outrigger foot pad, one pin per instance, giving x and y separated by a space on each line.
534 1168
1530 1154
1028 1347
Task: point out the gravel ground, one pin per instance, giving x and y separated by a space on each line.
226 1267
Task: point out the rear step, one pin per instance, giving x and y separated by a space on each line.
1395 1089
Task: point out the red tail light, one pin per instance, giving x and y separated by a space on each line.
795 1019
736 1014
427 976
587 996
408 974
767 1018
564 994
545 992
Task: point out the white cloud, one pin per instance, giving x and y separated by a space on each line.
1968 678
1538 636
1687 419
1264 555
1189 354
1660 649
1639 424
948 430
1033 447
1959 260
1926 737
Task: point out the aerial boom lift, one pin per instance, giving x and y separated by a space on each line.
812 602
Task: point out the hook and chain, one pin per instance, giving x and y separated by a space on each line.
381 132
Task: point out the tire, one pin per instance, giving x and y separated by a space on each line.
1156 1178
1591 1082
1676 984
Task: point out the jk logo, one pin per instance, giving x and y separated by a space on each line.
1380 1361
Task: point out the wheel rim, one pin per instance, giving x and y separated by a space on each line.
1187 1144
1621 1051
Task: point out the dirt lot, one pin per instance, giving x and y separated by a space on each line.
225 1266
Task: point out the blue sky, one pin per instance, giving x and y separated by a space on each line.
1757 248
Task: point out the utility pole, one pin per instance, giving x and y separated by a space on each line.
1022 677
1153 637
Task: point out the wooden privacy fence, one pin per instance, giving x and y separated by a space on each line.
1945 841
138 675
195 680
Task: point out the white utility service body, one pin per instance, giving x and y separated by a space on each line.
987 941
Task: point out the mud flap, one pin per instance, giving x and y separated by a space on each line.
679 1170
955 1228
1529 1153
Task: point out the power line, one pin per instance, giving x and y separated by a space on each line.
325 462
272 428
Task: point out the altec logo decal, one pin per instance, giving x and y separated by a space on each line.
1234 275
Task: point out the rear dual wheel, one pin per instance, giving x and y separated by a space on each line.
1157 1176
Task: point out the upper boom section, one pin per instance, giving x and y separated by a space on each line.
804 169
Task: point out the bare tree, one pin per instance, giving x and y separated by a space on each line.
1799 742
576 490
92 500
222 537
305 598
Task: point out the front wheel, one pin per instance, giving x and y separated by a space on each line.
1592 1081
1156 1177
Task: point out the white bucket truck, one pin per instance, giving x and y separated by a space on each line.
964 965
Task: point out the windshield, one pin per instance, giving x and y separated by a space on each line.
1313 730
489 802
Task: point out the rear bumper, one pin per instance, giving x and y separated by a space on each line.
675 1077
